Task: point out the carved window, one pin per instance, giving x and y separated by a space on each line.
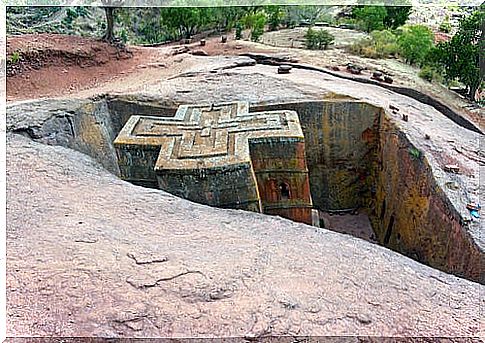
284 191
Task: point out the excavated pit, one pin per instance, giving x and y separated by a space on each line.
364 172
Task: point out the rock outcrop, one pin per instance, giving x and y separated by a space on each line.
89 254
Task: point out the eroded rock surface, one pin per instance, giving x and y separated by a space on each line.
89 254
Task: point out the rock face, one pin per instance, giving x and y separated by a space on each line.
89 254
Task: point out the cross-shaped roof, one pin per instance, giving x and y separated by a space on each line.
208 136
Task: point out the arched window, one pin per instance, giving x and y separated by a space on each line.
284 191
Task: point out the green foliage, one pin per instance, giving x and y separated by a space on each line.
414 43
445 26
15 58
255 22
155 25
71 15
416 154
183 21
396 16
123 35
81 11
239 29
318 39
258 29
430 73
460 57
151 31
370 18
380 44
275 16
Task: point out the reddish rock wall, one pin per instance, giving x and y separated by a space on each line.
413 215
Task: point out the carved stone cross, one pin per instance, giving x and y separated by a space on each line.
218 155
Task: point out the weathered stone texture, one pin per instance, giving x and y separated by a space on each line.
91 255
412 214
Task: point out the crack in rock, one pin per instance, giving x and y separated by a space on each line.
143 284
147 258
86 240
136 323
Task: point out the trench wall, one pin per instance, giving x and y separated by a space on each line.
411 213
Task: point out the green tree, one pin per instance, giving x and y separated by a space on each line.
255 22
375 17
414 43
258 28
396 16
275 16
184 21
370 18
461 56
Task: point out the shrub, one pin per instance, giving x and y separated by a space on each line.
380 44
371 18
123 36
275 16
15 57
416 154
427 73
258 29
415 43
318 40
239 29
255 22
82 11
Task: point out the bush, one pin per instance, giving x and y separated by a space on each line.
82 11
15 57
428 73
258 28
239 29
415 43
123 36
318 39
380 44
275 16
255 22
71 15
